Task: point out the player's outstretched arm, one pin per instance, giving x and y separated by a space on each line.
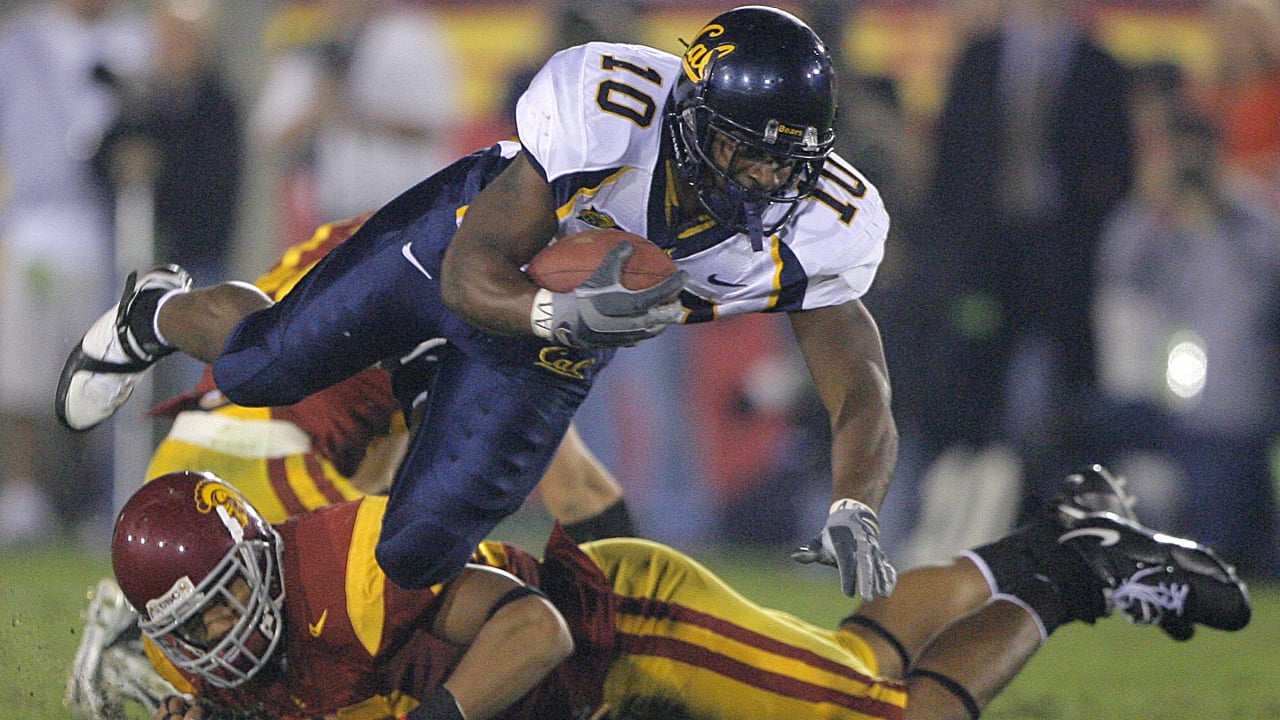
515 637
580 492
842 348
381 458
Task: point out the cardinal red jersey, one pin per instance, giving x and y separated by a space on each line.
358 646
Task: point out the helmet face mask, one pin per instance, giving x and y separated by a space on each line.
717 179
203 569
764 80
241 585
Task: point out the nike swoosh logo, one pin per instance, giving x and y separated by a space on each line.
1106 537
414 261
317 627
723 283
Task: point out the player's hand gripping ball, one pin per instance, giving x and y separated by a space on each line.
567 263
603 289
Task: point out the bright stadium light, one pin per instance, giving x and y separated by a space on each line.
1187 365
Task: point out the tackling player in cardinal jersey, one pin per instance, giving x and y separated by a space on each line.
297 621
722 157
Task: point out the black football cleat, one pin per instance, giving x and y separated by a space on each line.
1158 579
1090 491
100 373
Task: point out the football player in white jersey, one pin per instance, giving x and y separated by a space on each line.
722 157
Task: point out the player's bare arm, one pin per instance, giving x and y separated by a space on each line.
505 226
842 348
515 639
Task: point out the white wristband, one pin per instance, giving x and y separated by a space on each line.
540 314
843 504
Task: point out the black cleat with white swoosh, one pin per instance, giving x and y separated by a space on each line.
1158 579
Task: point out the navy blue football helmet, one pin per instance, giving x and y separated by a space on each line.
763 78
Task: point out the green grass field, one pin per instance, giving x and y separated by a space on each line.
1108 671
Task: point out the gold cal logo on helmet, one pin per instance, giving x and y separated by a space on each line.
211 495
699 55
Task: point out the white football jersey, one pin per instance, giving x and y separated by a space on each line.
592 119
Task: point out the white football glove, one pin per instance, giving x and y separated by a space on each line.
851 542
602 313
111 668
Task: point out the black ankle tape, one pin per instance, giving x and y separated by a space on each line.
142 317
953 687
887 636
613 521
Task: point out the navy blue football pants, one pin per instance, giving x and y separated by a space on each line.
495 414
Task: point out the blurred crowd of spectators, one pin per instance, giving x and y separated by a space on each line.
1084 264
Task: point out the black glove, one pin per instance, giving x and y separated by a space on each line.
601 313
851 542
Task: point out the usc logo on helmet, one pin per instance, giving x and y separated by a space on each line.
699 55
211 495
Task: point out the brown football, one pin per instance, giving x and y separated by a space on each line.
568 262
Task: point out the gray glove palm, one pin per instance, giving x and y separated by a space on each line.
851 542
602 313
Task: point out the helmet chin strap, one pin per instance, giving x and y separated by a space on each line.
753 215
755 223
